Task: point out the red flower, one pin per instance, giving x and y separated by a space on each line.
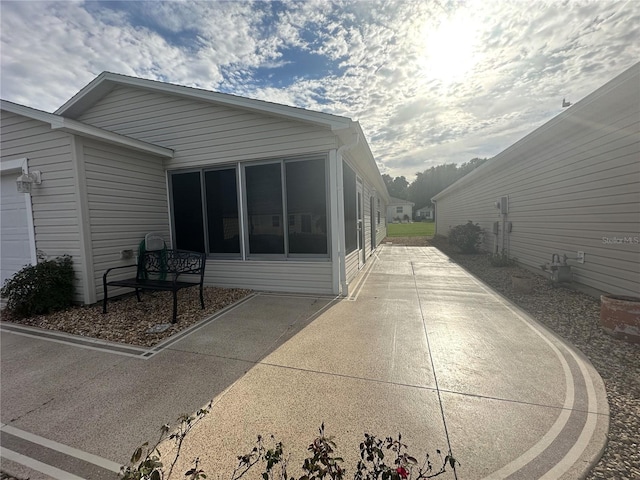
402 472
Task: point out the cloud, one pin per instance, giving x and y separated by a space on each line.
430 82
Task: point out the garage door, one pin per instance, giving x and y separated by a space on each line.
15 246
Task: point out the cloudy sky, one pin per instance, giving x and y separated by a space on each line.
431 81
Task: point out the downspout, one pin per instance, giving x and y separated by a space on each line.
342 257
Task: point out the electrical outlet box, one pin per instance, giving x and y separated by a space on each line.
580 257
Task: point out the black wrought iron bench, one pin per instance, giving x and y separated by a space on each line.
161 270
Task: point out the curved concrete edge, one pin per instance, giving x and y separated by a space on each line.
591 444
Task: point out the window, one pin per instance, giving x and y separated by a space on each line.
307 198
264 208
350 212
223 223
187 211
398 209
209 217
378 210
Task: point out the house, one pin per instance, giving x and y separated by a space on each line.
399 210
279 198
571 186
425 213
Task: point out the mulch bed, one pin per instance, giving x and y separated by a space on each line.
128 320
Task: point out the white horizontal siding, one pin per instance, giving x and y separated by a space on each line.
126 198
298 277
55 212
571 184
202 133
351 265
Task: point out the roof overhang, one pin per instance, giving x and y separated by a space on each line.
75 127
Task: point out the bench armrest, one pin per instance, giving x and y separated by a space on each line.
104 277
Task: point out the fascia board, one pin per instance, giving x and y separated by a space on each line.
88 131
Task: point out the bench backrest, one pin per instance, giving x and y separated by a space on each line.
171 263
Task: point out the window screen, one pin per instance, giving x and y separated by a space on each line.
307 200
187 211
223 223
264 204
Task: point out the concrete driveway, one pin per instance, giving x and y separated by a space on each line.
420 347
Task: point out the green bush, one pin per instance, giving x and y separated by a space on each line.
41 288
467 237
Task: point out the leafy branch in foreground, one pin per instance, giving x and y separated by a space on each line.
322 462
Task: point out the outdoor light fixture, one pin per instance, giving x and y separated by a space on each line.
26 180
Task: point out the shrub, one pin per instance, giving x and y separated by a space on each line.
502 259
467 237
323 462
41 288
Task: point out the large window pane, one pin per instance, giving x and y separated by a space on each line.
264 208
307 206
187 211
222 211
350 210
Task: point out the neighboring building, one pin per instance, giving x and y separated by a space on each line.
572 185
274 195
399 210
425 213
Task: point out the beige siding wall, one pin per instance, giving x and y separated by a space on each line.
126 198
291 276
201 133
573 185
204 134
54 202
351 261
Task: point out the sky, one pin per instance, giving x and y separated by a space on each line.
430 81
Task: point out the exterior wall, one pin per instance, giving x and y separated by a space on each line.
54 202
127 198
572 185
290 276
381 228
202 133
352 264
424 214
392 212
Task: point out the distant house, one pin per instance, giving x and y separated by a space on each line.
399 210
572 185
425 213
279 198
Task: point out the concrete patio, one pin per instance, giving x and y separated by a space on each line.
420 347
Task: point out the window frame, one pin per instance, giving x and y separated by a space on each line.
241 198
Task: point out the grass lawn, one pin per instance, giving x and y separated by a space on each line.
417 229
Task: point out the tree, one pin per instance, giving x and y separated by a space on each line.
435 179
397 187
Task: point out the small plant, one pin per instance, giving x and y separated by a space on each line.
467 237
41 288
323 463
502 259
406 218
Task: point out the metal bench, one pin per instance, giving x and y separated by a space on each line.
161 270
